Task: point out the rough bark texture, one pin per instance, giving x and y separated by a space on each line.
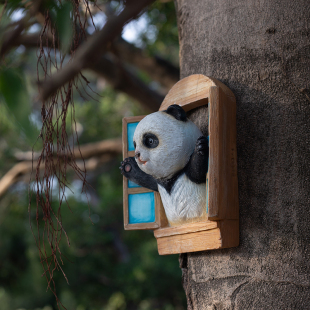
261 51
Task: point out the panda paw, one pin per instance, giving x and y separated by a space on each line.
202 146
127 166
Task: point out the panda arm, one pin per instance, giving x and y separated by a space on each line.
197 167
130 169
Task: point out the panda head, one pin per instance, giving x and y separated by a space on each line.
164 142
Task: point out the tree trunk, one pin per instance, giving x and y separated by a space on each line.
261 51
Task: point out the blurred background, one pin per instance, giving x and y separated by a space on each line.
106 267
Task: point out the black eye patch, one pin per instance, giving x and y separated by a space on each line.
134 144
150 140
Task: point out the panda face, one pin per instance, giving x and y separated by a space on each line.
163 144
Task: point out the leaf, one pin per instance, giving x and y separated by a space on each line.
14 92
64 25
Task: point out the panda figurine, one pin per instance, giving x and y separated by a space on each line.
171 157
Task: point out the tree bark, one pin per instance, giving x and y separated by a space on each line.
261 51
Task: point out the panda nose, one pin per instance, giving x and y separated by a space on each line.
137 154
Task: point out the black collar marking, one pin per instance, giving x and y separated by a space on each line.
167 184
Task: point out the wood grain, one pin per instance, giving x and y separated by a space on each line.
215 167
160 211
185 229
223 183
138 190
230 233
199 236
125 202
141 226
191 242
193 91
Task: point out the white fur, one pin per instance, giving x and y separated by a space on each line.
177 140
186 202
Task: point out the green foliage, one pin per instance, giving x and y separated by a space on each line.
14 93
107 268
102 118
64 25
162 17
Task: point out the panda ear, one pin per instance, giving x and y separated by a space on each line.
177 112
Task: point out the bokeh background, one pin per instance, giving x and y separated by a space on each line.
107 268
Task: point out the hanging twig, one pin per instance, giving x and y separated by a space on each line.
91 50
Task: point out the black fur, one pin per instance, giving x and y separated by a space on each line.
177 112
195 170
167 184
197 167
135 174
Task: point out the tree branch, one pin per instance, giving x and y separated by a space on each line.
157 68
123 80
91 50
10 37
11 176
95 154
30 40
87 150
115 74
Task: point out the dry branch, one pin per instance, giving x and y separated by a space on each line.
11 176
95 154
91 50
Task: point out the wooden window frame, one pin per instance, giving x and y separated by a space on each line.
160 217
221 229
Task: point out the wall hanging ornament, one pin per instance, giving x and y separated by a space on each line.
177 181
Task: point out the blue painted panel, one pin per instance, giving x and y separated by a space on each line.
141 208
131 127
132 184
